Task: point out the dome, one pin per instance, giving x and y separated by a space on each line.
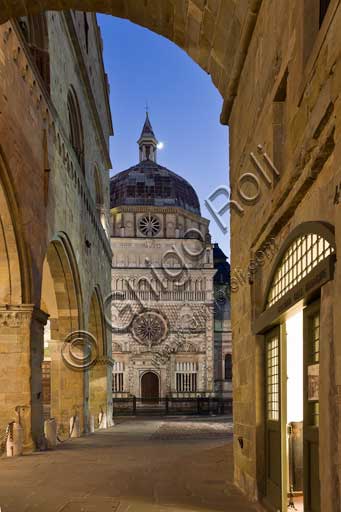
148 183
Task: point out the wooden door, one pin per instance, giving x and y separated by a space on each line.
150 387
273 420
311 358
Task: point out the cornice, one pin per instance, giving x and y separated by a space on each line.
175 210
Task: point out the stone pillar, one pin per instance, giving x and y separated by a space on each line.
21 347
67 382
328 402
100 396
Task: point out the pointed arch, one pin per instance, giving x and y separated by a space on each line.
15 283
61 298
63 270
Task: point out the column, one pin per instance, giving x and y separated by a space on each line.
21 347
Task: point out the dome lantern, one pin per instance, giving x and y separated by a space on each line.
147 142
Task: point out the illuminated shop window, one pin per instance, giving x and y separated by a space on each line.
304 254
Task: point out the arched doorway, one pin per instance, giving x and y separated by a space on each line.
150 387
297 296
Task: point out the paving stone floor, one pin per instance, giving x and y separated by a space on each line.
140 465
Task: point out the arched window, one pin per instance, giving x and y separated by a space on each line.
35 31
299 259
228 367
98 189
99 198
76 127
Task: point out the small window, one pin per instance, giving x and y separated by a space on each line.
186 377
76 127
86 32
324 4
149 225
118 377
228 367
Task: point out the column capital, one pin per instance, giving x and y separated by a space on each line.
15 315
105 361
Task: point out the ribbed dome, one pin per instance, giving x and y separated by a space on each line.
148 183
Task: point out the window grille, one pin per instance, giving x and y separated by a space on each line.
316 338
304 254
118 377
315 359
186 377
273 379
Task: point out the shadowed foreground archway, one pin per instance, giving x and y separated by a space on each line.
216 34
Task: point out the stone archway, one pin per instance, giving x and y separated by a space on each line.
21 324
62 301
215 34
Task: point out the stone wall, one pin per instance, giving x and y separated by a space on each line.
288 102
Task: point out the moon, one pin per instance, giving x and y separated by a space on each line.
160 145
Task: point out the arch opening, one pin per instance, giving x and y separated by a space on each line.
63 385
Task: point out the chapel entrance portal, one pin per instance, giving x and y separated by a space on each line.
150 387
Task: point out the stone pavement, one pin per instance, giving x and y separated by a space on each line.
140 465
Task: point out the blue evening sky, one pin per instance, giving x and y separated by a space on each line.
184 109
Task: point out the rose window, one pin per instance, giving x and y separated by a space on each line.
149 225
149 328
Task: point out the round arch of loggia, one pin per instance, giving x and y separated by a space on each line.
16 283
319 273
183 22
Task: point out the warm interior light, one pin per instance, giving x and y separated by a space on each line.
294 328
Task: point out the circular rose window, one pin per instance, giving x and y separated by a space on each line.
149 225
149 328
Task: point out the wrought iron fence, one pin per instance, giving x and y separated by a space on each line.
133 406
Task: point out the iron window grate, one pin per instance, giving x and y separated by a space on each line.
303 255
